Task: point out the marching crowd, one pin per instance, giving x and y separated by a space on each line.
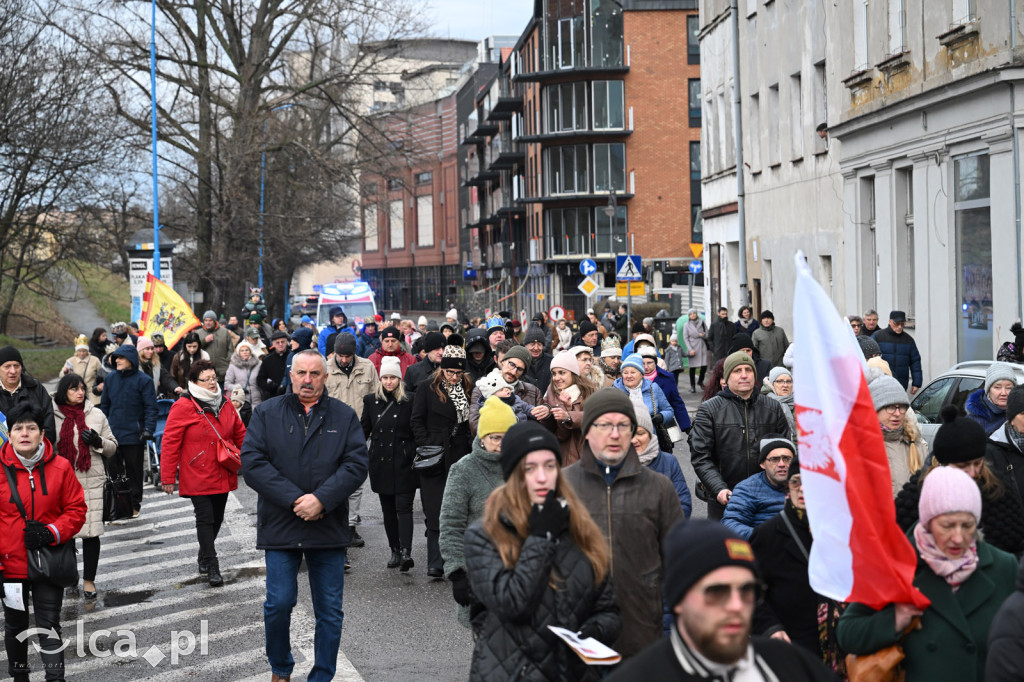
543 458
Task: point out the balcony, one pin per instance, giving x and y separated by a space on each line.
505 107
578 73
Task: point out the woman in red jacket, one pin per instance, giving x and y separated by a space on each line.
189 451
55 508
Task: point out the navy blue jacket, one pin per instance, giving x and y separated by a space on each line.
667 464
129 399
900 351
753 502
284 459
667 382
366 344
980 411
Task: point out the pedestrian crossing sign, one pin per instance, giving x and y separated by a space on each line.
627 269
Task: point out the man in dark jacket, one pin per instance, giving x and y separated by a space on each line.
304 454
479 355
900 351
539 371
434 343
725 441
720 335
272 368
16 386
367 341
129 401
633 506
711 586
339 324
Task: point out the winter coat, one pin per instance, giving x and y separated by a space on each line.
433 423
634 514
387 427
789 408
129 400
564 337
189 447
771 343
220 348
569 434
1005 661
271 375
753 502
57 501
405 360
32 391
725 441
897 448
980 411
952 642
1005 459
654 399
695 343
470 482
367 345
789 604
163 383
89 370
284 459
325 333
178 370
666 464
418 373
1002 518
514 642
93 479
749 329
900 351
350 388
720 334
528 393
666 381
246 375
539 373
660 662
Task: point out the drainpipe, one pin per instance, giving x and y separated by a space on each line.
737 125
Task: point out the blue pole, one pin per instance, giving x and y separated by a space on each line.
263 179
156 191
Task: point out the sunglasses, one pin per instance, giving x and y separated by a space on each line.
719 594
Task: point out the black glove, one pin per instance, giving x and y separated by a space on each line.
461 591
37 535
146 435
589 629
658 418
549 520
3 593
92 438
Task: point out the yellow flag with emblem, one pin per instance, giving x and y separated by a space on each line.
165 312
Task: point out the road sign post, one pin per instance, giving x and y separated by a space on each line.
628 269
695 267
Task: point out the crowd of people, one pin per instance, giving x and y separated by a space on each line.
544 460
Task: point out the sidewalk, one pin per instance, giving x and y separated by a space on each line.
76 309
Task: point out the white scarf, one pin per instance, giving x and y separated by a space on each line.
211 398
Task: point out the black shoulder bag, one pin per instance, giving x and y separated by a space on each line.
55 564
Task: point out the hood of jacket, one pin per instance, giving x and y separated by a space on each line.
237 360
129 353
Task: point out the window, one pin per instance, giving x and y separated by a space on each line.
972 213
606 29
611 230
897 26
796 117
609 107
860 35
567 169
903 224
610 167
396 215
425 220
964 11
394 184
754 134
820 107
370 227
772 117
567 107
424 178
929 403
569 231
868 256
695 160
694 97
692 39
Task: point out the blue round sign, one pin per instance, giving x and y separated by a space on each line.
588 267
696 266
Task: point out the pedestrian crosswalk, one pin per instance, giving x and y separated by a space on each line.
156 618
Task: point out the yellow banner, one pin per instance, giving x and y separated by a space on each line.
635 289
165 312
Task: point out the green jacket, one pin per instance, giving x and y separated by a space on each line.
953 639
470 482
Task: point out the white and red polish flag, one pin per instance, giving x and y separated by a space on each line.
859 552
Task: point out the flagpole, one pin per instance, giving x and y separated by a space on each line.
156 192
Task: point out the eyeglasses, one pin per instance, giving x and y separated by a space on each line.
605 428
495 438
893 409
795 483
784 382
855 325
780 459
719 594
509 364
207 380
453 372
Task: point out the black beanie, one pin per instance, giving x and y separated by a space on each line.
433 341
794 469
391 332
694 548
739 342
345 344
10 354
1014 403
522 439
774 441
959 439
604 401
768 314
586 326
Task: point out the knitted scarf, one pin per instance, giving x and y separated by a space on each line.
954 571
459 401
211 398
70 443
1015 437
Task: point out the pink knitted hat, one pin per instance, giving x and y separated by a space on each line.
947 490
566 360
144 343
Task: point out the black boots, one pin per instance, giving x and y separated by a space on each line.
396 557
406 560
213 570
201 564
357 541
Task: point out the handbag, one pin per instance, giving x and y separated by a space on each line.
55 564
228 456
884 664
429 459
117 498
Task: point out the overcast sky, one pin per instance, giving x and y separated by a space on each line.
477 19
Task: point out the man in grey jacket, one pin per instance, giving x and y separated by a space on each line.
770 340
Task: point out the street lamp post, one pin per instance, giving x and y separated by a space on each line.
263 178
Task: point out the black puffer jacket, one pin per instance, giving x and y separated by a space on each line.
388 430
1002 518
726 436
513 641
1005 661
1005 459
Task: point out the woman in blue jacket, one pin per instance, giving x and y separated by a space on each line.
645 395
646 444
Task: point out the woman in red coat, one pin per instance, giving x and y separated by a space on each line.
189 451
55 508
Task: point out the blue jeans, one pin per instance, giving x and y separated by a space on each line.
326 569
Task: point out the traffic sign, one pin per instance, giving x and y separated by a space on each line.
630 289
556 313
696 266
588 286
540 296
697 249
627 269
522 318
588 267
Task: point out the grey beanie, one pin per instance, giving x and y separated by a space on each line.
869 347
885 390
209 314
998 371
520 353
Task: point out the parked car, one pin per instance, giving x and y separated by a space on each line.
951 388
